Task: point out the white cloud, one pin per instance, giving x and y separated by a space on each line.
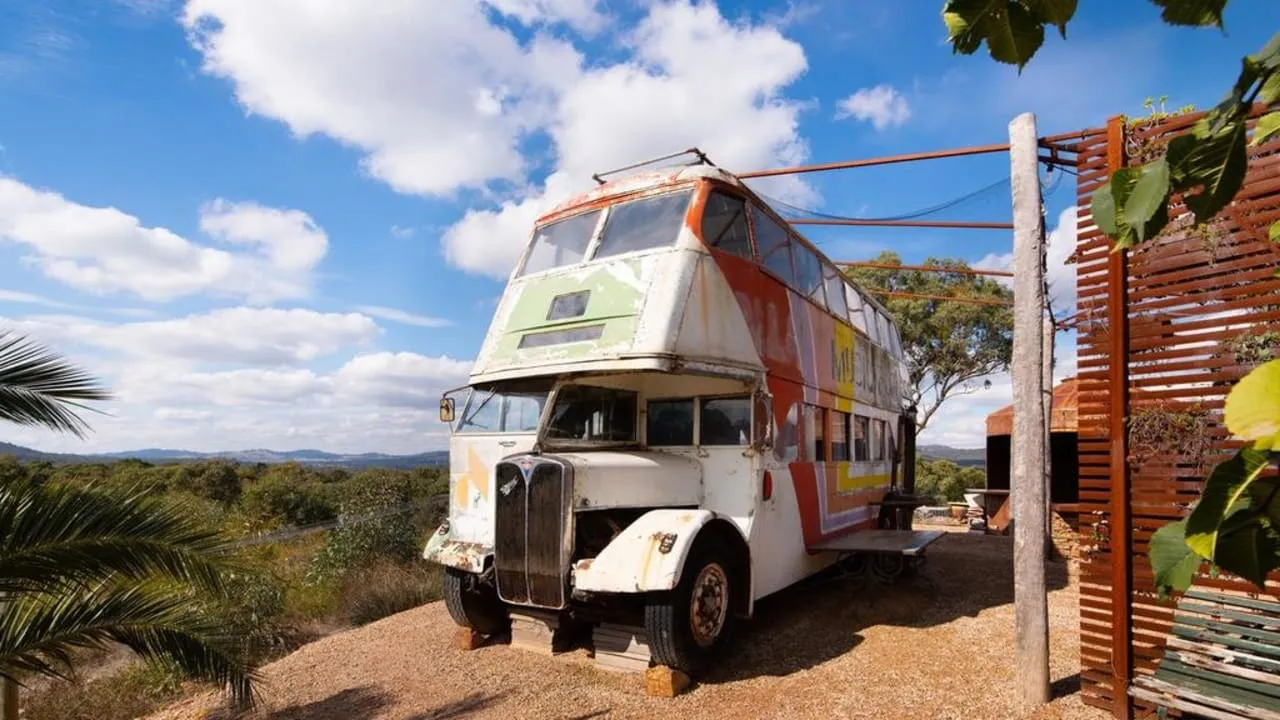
401 232
882 106
438 97
103 250
16 296
265 336
290 239
1061 242
580 14
402 316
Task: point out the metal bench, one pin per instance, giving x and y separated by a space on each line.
1222 660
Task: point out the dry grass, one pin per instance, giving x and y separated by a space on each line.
940 647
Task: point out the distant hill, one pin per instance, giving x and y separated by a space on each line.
976 457
304 457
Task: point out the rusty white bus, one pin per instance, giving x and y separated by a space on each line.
679 403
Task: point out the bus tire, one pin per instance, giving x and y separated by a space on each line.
473 604
675 638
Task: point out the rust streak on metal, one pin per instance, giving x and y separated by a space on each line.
926 268
869 162
954 225
1118 395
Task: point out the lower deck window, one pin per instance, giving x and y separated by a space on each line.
839 436
583 412
726 421
670 422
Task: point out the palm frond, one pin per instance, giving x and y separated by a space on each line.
156 620
55 535
40 387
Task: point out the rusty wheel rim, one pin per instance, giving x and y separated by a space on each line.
708 606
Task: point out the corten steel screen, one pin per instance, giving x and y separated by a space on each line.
1189 295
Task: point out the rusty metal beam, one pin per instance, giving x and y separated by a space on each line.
907 223
869 162
952 298
1118 408
926 268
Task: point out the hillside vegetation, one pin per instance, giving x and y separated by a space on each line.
322 549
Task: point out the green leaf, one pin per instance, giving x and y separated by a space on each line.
1103 209
1226 488
1264 497
1268 57
1150 194
1269 93
1248 552
1268 125
1011 31
1252 411
1172 561
1197 13
1274 232
1053 12
1217 164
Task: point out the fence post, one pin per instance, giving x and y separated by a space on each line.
1118 435
1030 599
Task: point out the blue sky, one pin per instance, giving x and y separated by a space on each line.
284 224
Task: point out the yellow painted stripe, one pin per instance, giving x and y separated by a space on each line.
851 483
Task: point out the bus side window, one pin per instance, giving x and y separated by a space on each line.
861 431
774 245
786 448
724 224
670 422
839 436
725 421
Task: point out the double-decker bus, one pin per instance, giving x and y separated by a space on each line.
678 402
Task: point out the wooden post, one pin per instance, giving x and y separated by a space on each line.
1119 512
1031 608
1047 381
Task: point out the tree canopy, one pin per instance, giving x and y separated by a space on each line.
949 346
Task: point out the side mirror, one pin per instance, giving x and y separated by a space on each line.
446 410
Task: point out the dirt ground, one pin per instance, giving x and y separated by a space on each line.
940 646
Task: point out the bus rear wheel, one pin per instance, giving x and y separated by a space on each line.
474 604
687 626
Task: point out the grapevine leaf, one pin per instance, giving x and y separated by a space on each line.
1197 13
1218 163
1269 93
1274 232
1252 411
1224 491
1268 125
1012 32
1150 193
1248 551
1053 12
1103 208
1172 561
1268 58
1264 495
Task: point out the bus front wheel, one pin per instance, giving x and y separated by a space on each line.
474 604
688 625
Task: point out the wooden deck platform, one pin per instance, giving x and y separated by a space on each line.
909 543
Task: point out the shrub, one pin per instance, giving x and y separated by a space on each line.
277 500
217 481
389 535
135 691
386 589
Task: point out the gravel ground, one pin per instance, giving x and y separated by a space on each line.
939 647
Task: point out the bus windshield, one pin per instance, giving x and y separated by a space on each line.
506 408
593 414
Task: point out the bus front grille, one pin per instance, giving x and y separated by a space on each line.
532 530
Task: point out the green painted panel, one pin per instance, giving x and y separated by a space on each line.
1254 603
617 293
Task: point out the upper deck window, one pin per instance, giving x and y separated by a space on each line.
835 291
643 224
724 224
561 243
773 243
855 308
808 277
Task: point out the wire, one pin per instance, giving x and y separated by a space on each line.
907 216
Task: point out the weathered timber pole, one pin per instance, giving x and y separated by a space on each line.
1031 610
8 699
1047 381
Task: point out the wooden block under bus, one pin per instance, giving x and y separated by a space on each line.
467 639
662 681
